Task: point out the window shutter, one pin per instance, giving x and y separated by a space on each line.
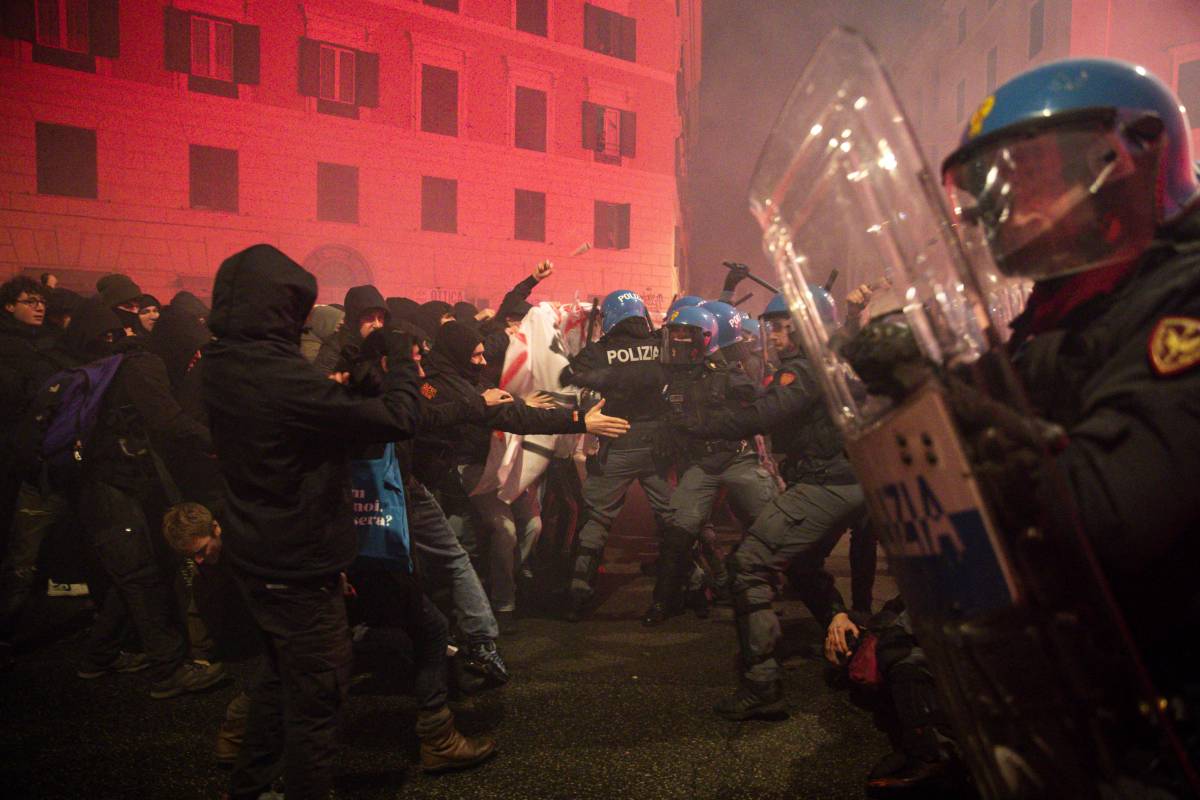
19 20
594 19
622 220
310 67
627 33
628 134
103 29
177 42
593 124
366 79
245 54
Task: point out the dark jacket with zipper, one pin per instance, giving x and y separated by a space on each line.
439 451
283 432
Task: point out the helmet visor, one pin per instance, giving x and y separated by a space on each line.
1061 199
684 345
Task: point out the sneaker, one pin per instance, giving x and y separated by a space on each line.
190 676
67 589
124 662
483 661
754 700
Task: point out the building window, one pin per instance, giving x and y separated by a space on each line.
216 54
66 160
612 226
991 70
337 193
531 16
64 33
337 74
610 132
1188 90
63 24
609 32
213 178
212 49
447 5
341 79
530 119
439 204
962 26
439 100
529 218
1037 27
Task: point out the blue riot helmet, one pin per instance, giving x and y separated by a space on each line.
729 322
750 329
684 302
621 305
689 336
1072 166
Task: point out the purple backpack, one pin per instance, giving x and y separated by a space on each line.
67 409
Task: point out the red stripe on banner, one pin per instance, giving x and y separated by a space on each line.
511 372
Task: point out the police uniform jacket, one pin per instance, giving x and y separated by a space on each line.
792 410
623 366
1121 373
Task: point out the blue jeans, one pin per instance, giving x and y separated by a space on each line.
444 564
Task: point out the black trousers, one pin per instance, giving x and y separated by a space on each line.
297 697
140 596
392 599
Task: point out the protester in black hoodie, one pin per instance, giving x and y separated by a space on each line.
513 308
453 371
283 433
366 311
125 488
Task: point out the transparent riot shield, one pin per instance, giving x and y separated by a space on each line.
1039 677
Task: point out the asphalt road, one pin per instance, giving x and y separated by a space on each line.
600 709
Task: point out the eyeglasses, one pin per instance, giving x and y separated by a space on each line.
33 302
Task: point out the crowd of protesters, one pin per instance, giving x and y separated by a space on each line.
227 474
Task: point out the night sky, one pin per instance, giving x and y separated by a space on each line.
754 51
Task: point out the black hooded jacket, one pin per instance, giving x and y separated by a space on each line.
359 300
449 379
282 430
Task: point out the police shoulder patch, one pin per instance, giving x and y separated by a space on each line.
787 378
428 390
1174 345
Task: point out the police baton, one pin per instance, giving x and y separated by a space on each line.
755 278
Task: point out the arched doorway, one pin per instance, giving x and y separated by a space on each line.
337 268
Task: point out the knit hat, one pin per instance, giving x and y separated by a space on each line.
117 290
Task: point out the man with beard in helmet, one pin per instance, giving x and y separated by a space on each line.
704 383
623 366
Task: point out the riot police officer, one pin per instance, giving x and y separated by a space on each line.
1079 175
822 500
623 366
704 384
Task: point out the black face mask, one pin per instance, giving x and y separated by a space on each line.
472 371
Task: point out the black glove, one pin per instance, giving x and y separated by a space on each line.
737 274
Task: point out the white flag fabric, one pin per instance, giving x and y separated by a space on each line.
535 358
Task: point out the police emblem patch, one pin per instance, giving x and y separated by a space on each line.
981 114
428 390
1175 345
